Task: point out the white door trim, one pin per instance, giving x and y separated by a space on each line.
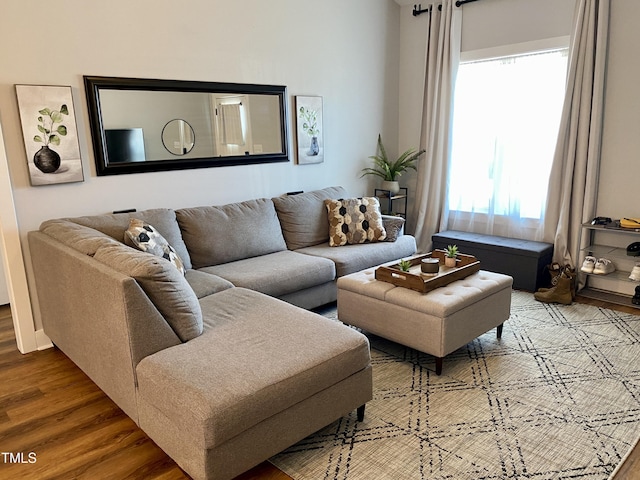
14 261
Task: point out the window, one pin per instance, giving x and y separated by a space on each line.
505 125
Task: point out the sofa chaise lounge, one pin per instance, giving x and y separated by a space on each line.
219 365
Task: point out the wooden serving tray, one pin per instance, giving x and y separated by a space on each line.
422 282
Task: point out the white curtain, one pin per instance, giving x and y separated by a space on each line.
232 132
574 173
443 53
506 117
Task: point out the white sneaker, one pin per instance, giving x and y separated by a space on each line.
604 266
588 265
635 273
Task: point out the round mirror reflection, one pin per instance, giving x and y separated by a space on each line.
178 137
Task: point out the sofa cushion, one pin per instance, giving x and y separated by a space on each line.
278 273
163 219
166 287
205 284
257 357
146 238
353 258
303 217
86 240
222 234
354 220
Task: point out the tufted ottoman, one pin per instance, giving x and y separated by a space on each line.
438 322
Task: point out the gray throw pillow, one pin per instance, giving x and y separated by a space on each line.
393 227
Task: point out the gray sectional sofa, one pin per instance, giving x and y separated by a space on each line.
219 365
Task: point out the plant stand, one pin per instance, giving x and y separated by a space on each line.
387 199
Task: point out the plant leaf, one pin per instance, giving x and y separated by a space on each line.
54 140
44 111
62 130
56 116
41 129
372 171
391 170
38 138
64 110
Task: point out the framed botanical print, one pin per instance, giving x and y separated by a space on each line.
310 144
50 134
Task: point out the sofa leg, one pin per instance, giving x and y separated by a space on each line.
439 365
499 330
361 413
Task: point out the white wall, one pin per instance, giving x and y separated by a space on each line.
342 51
619 185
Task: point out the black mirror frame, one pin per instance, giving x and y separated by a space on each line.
93 85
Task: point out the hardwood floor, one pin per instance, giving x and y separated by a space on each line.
56 424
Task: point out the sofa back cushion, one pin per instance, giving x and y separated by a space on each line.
162 219
303 217
85 240
165 286
223 234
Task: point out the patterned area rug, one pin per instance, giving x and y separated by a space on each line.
557 397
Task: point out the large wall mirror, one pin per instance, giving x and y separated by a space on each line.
143 125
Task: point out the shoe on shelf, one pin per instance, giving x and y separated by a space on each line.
604 266
635 273
588 265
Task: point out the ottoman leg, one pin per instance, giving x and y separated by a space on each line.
499 330
439 365
360 413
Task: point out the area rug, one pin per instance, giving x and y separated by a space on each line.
557 397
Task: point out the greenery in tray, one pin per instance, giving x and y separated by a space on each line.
404 265
452 251
390 170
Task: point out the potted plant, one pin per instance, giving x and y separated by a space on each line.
390 170
404 265
310 126
451 254
46 159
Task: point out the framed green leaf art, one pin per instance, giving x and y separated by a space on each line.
310 144
50 134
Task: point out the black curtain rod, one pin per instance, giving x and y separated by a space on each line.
417 9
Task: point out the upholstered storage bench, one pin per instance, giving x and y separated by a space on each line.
524 260
438 322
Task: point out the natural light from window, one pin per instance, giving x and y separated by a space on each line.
506 117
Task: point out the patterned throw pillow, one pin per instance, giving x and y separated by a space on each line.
144 237
354 220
